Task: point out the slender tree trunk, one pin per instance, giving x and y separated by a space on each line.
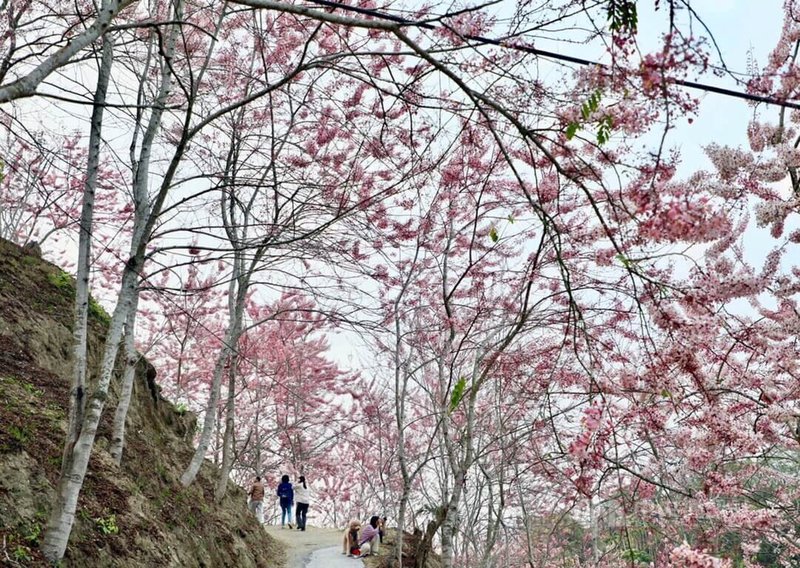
77 400
217 437
131 360
493 527
62 516
594 529
426 540
401 519
227 440
449 523
225 355
258 441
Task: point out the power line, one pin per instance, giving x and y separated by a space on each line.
553 55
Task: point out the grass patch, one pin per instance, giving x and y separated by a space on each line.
97 312
62 280
31 389
32 534
66 284
21 554
18 434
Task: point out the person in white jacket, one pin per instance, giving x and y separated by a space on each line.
302 499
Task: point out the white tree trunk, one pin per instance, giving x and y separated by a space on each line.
26 85
449 524
227 440
131 360
238 290
77 401
62 516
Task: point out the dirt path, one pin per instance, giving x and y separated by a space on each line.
313 548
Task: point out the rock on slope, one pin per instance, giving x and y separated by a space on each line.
136 515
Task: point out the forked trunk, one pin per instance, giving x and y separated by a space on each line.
425 543
227 441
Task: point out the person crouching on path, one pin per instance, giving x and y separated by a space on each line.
256 494
286 495
302 498
370 542
350 538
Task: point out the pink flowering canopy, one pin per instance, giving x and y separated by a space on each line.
447 273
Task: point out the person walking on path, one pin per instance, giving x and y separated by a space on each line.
302 498
256 495
286 495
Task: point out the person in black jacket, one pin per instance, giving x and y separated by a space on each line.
286 495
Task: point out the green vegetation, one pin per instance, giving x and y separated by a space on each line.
31 389
33 533
635 556
22 554
97 312
107 525
604 123
19 435
62 280
622 16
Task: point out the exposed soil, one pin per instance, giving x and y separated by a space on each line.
137 515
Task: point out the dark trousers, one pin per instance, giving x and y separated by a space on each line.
302 511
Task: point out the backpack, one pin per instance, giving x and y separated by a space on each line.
284 492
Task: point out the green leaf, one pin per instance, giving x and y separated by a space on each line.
572 128
458 393
604 130
666 394
594 100
622 15
493 235
511 219
623 259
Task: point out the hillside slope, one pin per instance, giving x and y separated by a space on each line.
136 515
